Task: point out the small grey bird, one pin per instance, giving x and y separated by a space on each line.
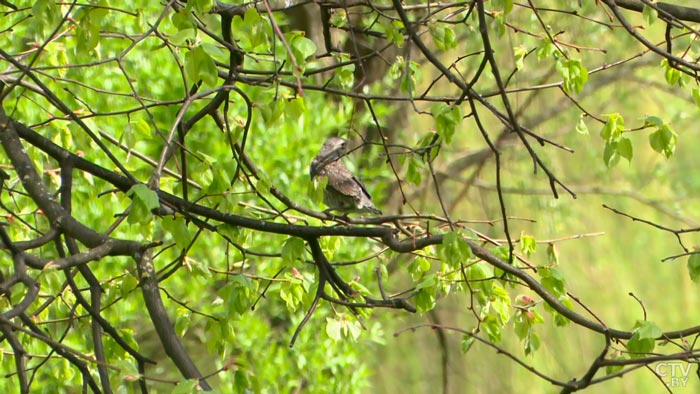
344 192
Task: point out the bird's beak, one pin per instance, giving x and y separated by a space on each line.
313 170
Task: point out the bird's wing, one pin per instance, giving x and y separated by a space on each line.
362 186
344 181
348 185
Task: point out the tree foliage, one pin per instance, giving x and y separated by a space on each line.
160 232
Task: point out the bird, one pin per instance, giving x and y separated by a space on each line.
344 192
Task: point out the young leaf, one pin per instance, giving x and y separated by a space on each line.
292 249
528 245
467 342
624 148
413 171
147 196
519 53
443 36
613 127
446 120
611 369
581 127
573 73
650 15
553 280
199 66
643 340
610 155
426 297
177 228
663 140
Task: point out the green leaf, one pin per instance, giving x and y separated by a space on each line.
493 328
302 47
499 23
639 347
443 36
559 319
429 146
573 73
292 292
614 126
611 369
624 148
127 285
610 155
239 293
182 20
239 235
353 329
292 249
499 304
418 267
177 228
643 340
201 6
413 171
467 342
653 121
426 296
647 329
446 119
393 32
272 111
532 343
672 75
252 17
337 328
183 318
694 266
241 381
88 30
581 127
528 245
144 200
295 108
664 140
344 76
478 275
148 197
396 69
505 5
650 15
519 53
333 329
546 50
410 79
199 66
198 268
339 18
454 250
553 280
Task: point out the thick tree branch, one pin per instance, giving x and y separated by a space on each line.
161 322
386 234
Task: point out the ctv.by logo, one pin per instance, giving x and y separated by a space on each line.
674 374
